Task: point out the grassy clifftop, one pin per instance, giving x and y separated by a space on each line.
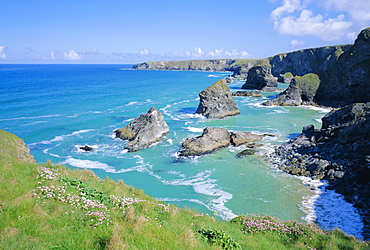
52 207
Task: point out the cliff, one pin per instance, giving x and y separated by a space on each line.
198 65
348 81
338 152
343 75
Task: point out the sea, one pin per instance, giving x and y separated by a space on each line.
56 109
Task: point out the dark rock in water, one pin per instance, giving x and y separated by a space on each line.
261 78
302 90
245 153
143 131
240 138
87 148
252 93
212 139
338 152
217 102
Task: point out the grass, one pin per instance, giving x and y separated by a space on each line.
52 207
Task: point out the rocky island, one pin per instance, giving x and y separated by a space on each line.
213 139
145 130
217 102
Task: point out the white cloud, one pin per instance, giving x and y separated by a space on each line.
298 18
72 55
308 24
144 52
52 55
359 10
289 6
90 52
296 44
198 51
2 53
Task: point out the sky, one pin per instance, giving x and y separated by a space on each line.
126 32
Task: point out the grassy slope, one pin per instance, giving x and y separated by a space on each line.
52 207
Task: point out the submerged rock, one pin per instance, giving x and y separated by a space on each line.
87 148
245 153
217 102
145 130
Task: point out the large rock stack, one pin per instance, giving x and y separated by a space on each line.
145 130
217 102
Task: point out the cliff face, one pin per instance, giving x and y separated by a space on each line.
200 65
314 60
348 81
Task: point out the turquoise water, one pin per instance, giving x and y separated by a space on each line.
58 108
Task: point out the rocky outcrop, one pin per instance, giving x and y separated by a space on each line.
217 102
338 152
252 93
348 80
260 77
213 139
301 90
145 130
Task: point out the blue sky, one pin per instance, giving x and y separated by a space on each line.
121 31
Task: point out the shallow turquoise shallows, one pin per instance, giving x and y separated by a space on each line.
58 108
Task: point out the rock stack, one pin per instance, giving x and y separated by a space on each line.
217 102
145 130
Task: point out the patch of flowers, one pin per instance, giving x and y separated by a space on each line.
288 230
78 195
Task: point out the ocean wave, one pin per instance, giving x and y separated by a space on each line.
31 117
332 211
32 123
203 185
59 138
88 164
327 208
320 109
195 130
181 200
131 103
85 113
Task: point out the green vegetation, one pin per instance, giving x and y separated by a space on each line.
52 207
288 75
308 85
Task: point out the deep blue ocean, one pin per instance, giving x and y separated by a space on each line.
56 109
